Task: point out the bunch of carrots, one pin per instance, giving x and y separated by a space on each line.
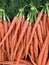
25 41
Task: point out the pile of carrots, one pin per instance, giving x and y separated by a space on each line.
22 43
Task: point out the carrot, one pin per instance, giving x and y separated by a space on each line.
28 33
47 62
32 60
44 23
5 23
39 34
32 51
10 29
20 54
15 34
1 20
45 56
48 21
42 50
2 36
34 28
14 62
21 36
41 25
35 46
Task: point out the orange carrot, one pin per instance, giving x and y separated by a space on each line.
42 50
2 36
32 51
39 34
10 29
45 56
21 36
44 23
35 46
20 54
48 21
5 23
32 60
34 28
47 62
15 34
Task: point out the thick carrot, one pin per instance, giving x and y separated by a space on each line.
35 46
10 29
5 23
39 34
34 28
21 36
45 56
47 62
42 50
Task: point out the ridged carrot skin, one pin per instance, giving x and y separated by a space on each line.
34 28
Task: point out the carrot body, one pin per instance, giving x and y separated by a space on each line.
35 46
45 56
5 23
39 34
47 62
32 51
15 34
34 28
48 21
42 50
10 29
21 36
44 25
2 36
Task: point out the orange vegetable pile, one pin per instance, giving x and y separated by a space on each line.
24 44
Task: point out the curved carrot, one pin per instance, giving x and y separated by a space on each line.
39 34
34 28
35 46
21 35
42 50
10 29
45 56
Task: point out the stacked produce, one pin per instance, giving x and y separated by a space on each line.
25 40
